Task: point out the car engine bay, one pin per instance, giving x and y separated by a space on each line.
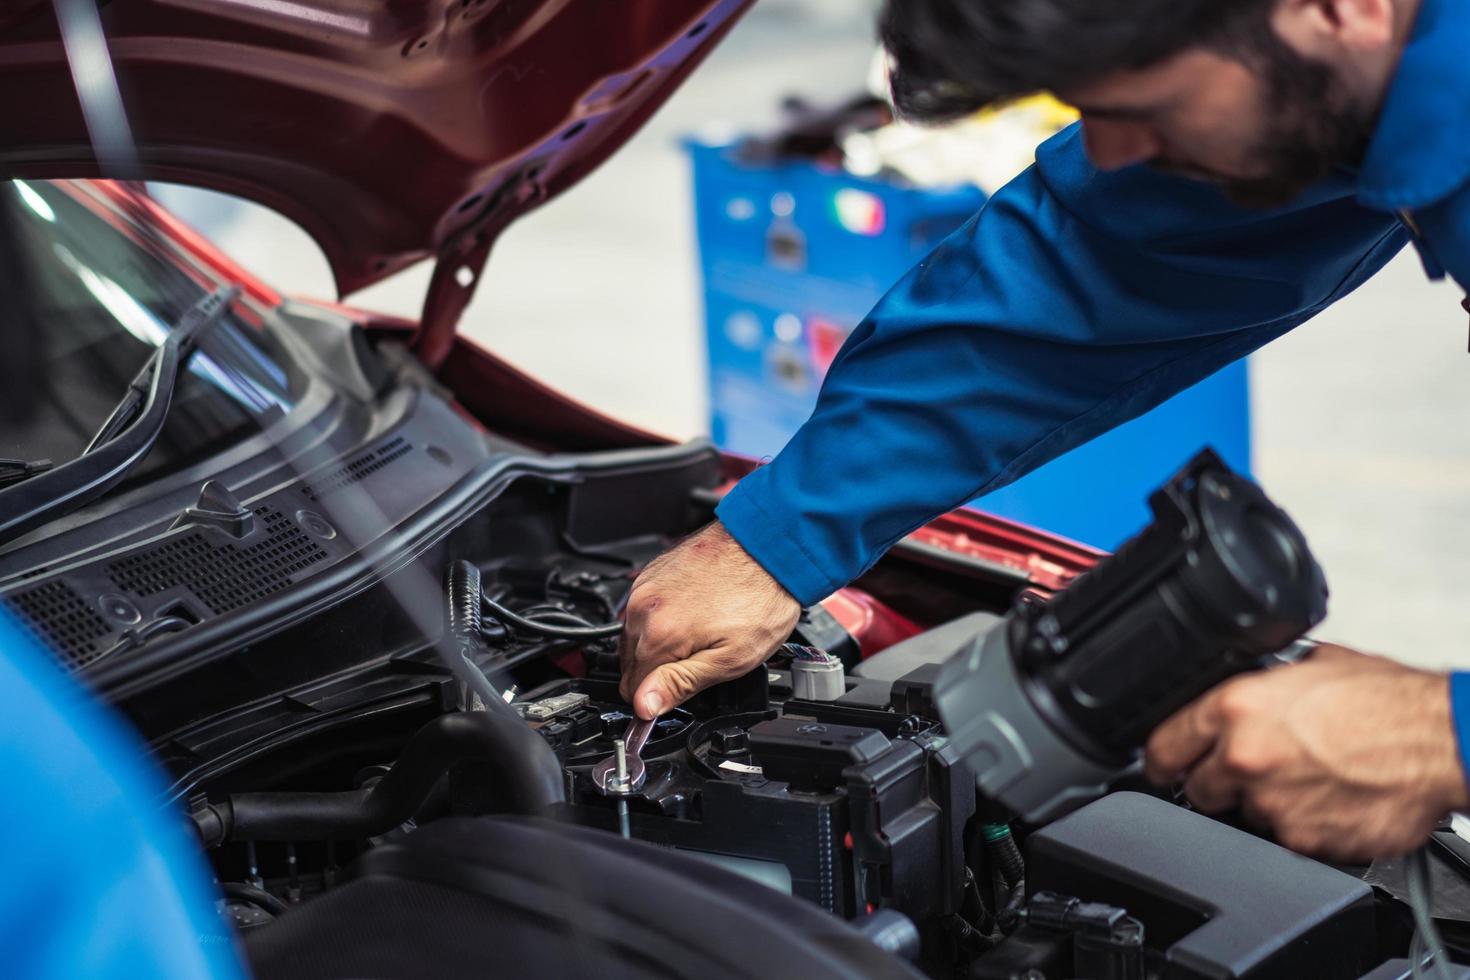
390 706
358 590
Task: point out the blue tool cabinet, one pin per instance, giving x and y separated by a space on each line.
794 255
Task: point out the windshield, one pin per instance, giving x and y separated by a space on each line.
85 307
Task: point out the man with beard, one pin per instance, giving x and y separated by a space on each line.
1240 165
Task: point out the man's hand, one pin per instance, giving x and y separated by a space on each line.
1344 756
704 612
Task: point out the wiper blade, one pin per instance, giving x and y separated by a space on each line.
124 439
16 470
182 338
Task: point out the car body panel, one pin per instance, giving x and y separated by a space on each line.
391 132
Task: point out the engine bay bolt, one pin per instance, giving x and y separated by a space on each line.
117 608
252 865
620 783
315 524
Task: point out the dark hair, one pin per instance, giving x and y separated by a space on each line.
952 57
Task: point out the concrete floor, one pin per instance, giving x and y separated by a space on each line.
1360 415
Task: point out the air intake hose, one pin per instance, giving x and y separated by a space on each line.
521 763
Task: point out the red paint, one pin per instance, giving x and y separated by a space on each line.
874 624
572 663
390 132
1049 562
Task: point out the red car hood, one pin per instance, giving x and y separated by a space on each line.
391 130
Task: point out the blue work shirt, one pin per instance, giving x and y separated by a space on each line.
1077 300
99 881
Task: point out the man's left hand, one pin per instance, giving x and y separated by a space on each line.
1344 756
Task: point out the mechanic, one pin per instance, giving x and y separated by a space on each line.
1239 166
98 881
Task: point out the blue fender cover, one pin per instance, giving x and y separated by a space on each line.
98 879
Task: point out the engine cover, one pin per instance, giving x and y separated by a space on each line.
1219 901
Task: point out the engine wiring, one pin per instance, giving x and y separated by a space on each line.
555 624
1427 944
809 654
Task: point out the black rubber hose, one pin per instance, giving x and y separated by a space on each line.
520 760
258 897
464 602
464 592
1001 848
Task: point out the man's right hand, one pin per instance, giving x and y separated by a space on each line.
1344 756
702 613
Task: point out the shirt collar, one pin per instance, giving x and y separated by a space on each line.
1421 148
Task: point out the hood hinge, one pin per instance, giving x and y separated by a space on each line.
460 264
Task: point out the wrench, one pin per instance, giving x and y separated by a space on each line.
605 774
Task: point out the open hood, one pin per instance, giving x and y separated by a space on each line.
391 130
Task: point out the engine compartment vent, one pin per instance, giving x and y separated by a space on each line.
224 576
62 620
355 470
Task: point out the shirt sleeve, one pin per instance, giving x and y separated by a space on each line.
1074 301
1460 716
102 880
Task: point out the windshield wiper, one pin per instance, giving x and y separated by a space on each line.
16 470
124 439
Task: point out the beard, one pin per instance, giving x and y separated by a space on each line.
1313 127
